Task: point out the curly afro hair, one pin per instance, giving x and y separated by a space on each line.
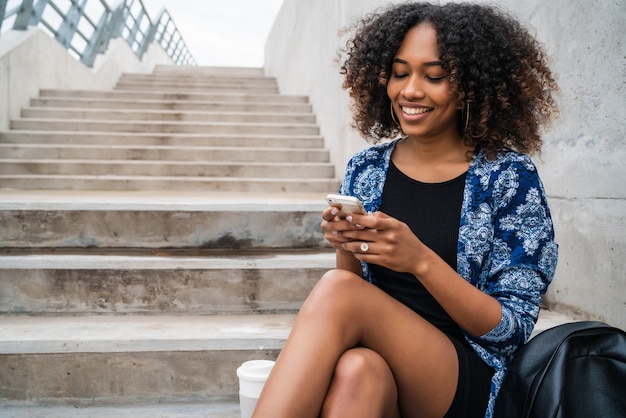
492 61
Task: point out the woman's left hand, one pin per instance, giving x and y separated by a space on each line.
389 243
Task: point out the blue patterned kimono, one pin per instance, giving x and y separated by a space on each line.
506 242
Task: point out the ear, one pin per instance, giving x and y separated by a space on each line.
461 103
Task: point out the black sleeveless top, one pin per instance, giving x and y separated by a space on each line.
433 212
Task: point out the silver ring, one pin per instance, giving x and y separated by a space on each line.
364 247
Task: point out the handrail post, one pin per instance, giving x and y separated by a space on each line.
70 23
22 19
3 7
98 40
36 18
117 22
143 45
132 36
151 33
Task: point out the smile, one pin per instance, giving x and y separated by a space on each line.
416 110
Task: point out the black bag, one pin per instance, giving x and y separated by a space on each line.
574 370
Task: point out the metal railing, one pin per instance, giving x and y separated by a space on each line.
71 23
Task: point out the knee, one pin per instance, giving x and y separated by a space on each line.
362 372
362 384
334 291
352 367
337 283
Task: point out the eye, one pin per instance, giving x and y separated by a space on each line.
400 75
435 79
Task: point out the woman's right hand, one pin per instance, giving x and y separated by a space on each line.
334 227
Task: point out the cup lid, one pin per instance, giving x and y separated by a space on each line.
255 370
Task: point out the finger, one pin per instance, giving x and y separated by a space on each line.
377 220
360 234
358 247
381 215
330 213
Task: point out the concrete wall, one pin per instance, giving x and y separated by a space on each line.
583 164
31 60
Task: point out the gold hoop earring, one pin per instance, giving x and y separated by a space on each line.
393 115
467 117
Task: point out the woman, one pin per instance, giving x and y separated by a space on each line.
458 245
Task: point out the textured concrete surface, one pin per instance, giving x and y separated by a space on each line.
160 220
582 164
128 360
146 333
121 282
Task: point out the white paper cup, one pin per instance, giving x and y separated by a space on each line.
252 376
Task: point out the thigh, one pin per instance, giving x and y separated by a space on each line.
422 359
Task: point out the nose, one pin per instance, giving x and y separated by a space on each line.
413 88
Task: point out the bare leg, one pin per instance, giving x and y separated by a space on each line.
362 386
343 312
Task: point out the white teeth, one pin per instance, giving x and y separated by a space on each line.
415 110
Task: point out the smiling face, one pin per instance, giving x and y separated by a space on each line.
420 90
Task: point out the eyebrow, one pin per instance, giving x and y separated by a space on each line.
426 64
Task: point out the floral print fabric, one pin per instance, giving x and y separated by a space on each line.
506 242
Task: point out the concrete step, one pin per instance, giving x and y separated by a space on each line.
165 127
172 105
174 410
167 115
209 70
175 96
185 82
62 282
162 139
40 151
167 217
207 88
126 359
165 168
197 78
132 183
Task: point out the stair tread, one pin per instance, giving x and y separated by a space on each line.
188 180
155 134
156 112
142 333
169 95
164 162
204 410
160 200
159 122
163 259
109 100
126 147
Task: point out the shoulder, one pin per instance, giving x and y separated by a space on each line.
366 173
376 155
487 173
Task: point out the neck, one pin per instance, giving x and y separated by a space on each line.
432 161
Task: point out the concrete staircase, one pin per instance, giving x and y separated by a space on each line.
152 238
178 129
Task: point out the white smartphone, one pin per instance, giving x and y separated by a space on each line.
347 204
